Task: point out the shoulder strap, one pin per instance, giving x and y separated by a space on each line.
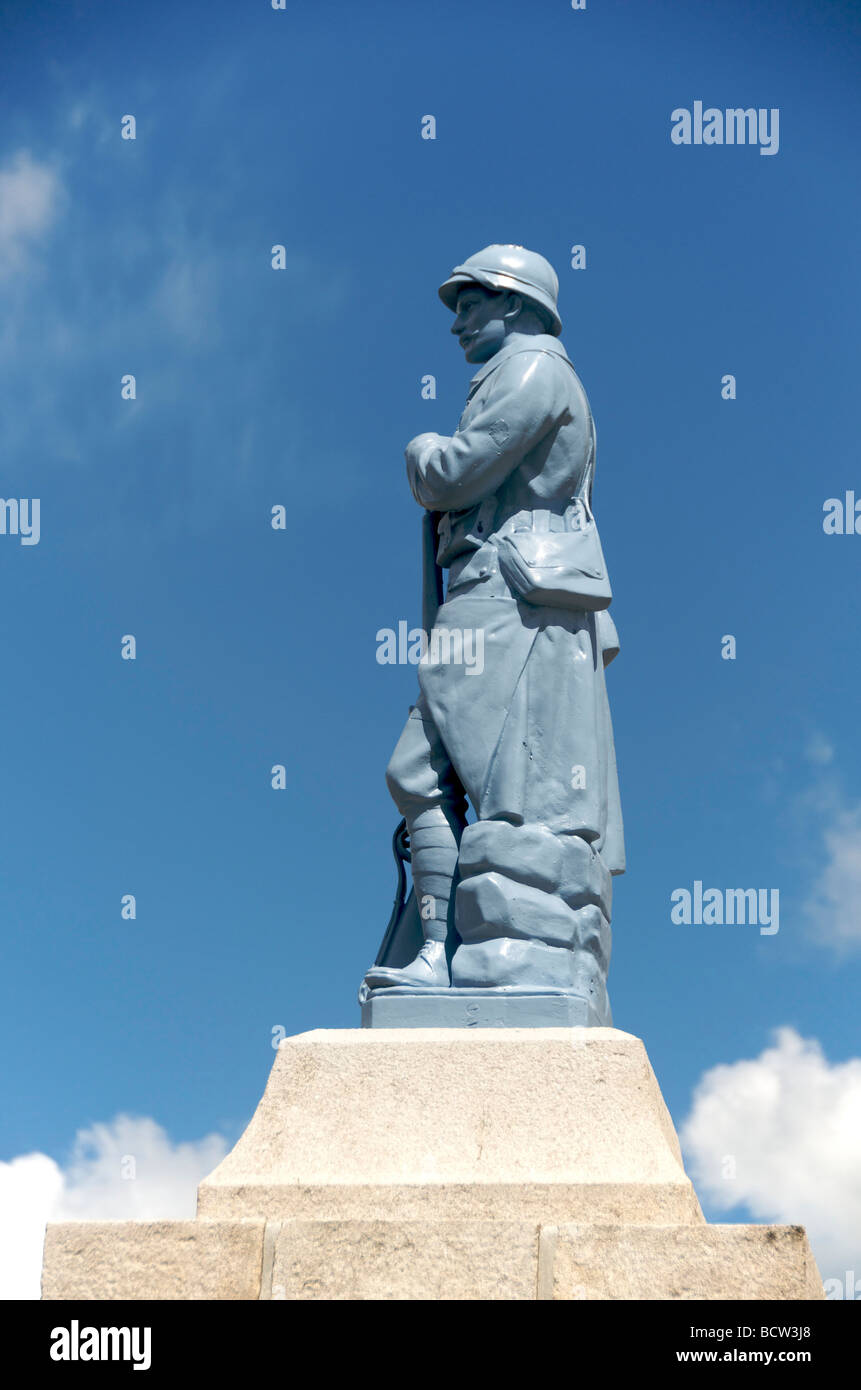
589 475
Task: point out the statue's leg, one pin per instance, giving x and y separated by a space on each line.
428 794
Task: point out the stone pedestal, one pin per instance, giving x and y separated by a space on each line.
444 1164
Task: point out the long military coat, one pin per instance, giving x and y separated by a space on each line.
530 737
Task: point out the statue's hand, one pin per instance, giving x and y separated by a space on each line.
417 451
422 443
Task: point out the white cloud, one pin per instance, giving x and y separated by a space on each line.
788 1124
128 1169
30 1187
29 196
834 905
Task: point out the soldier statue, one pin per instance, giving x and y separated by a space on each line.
508 922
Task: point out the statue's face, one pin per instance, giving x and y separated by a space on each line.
479 322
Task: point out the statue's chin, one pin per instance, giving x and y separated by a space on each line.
476 354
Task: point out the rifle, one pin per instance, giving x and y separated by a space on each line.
403 936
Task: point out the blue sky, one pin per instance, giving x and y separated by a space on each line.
255 387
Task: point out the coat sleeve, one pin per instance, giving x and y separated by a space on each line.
527 397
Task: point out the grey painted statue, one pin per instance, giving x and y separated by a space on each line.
508 923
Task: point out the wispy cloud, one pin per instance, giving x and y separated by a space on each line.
823 831
30 195
163 272
833 907
819 750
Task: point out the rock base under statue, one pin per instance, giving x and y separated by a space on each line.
485 1163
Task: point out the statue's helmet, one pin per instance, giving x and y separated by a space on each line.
508 268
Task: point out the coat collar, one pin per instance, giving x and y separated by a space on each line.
538 342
